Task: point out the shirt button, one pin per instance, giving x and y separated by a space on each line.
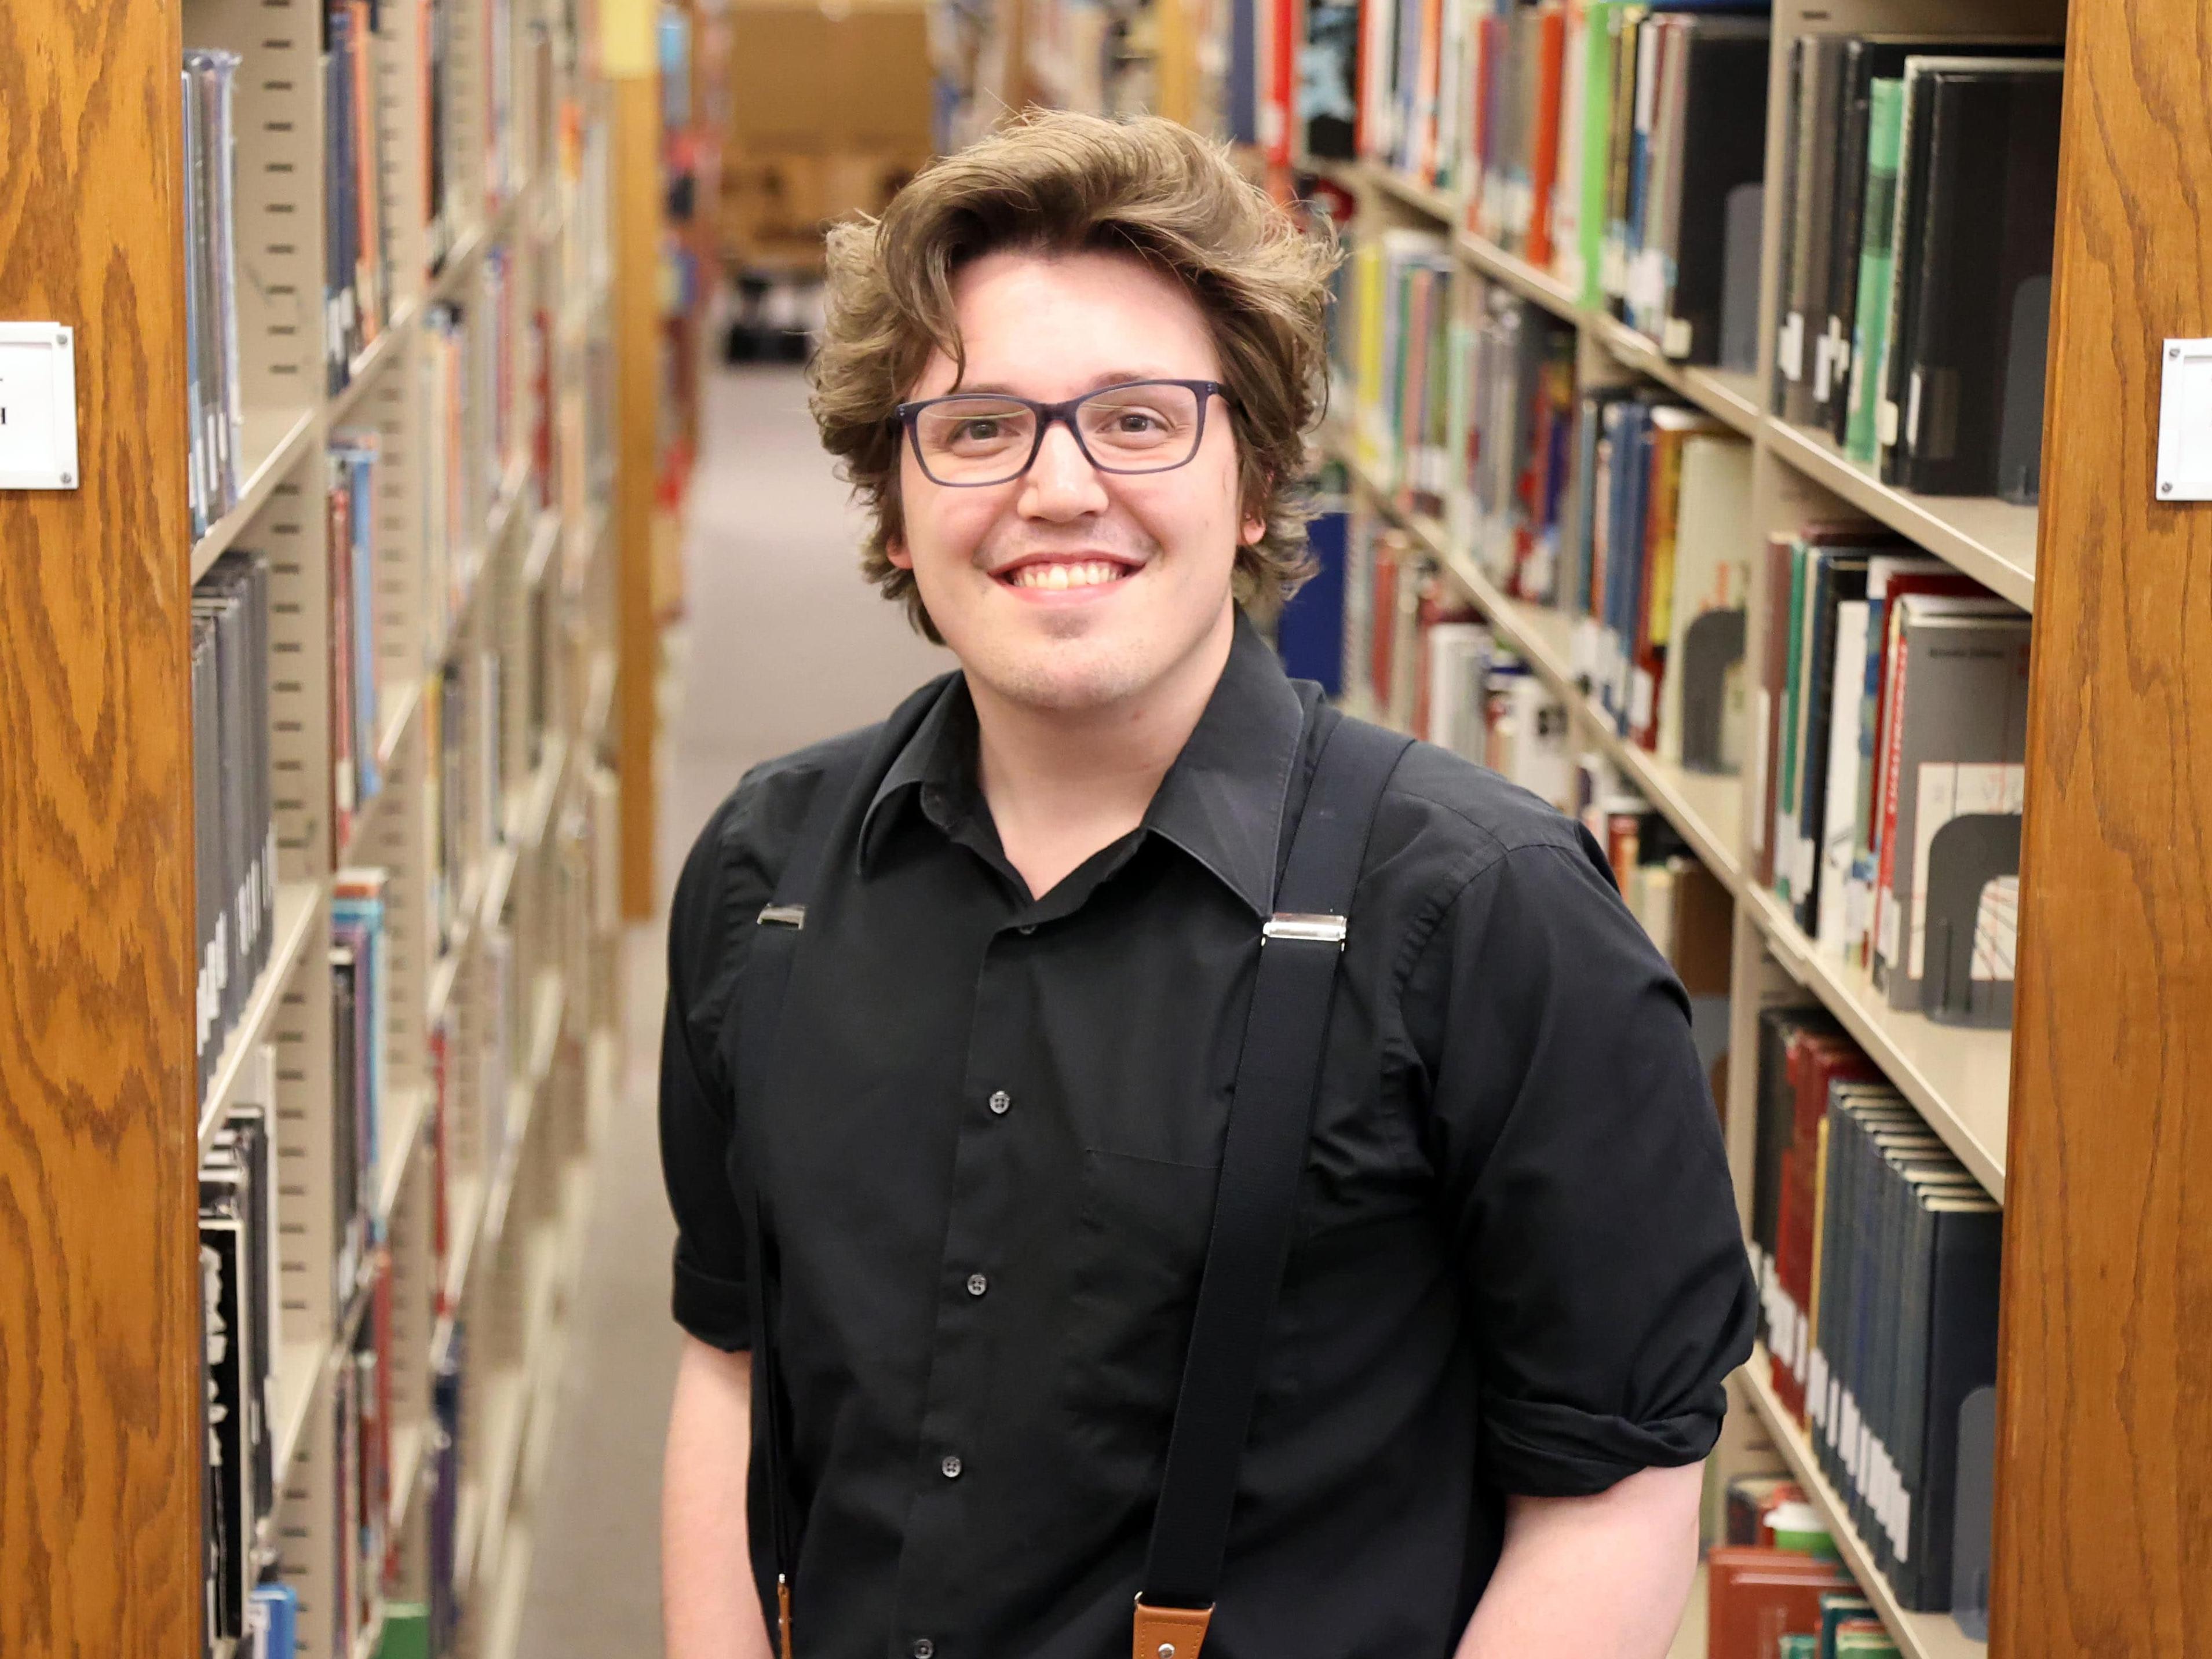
923 1648
977 1284
999 1102
952 1468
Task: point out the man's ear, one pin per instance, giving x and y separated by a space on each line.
1250 534
895 549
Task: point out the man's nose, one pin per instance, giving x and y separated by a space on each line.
1062 482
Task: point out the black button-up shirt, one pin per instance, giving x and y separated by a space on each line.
990 1149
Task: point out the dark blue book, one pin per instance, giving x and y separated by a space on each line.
1309 634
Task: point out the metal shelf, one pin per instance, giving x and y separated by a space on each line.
1960 1079
1992 541
280 437
298 903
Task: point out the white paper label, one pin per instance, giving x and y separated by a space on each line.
1885 424
1790 348
1676 340
1639 699
1648 282
1821 367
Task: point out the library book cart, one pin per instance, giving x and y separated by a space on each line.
483 381
2083 1119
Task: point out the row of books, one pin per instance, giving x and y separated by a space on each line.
215 388
1659 582
1888 791
1625 509
234 817
246 1601
1775 1588
1616 145
1920 200
1877 1255
1401 357
239 1299
357 250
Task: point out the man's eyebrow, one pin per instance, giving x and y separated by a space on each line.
1112 376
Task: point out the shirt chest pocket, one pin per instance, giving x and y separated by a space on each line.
1137 1250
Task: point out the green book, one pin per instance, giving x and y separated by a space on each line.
1599 47
1862 1641
1877 263
406 1632
1837 1608
1798 1647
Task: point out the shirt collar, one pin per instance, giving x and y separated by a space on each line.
1221 802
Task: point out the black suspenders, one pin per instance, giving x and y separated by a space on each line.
1270 1121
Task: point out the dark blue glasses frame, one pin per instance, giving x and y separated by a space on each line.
909 415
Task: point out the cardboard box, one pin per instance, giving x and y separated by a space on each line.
829 78
775 205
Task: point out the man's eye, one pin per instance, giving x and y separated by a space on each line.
976 431
1136 420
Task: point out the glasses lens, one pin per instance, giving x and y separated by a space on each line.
1148 427
974 440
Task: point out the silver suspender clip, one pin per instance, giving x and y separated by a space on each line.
1322 930
783 915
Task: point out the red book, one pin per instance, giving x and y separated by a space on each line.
1899 586
1432 72
1386 622
1893 721
1813 1062
1288 28
1755 1597
1544 168
1489 37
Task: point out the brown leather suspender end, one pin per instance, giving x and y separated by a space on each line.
1170 1632
783 1615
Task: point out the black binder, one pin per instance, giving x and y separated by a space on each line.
1984 210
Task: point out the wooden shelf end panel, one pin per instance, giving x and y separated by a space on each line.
2103 1522
99 1313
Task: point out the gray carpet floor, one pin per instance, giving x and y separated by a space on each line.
783 643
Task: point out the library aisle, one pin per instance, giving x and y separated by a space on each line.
774 603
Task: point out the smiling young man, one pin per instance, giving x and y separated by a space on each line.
958 1009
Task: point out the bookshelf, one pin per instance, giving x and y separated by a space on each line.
488 565
2070 1117
1921 1635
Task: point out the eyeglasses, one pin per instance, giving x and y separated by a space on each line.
972 439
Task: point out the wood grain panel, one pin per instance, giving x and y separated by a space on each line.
100 1422
636 100
2104 1533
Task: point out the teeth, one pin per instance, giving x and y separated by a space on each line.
1091 572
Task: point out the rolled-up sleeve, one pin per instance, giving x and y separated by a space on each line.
1583 1174
712 1293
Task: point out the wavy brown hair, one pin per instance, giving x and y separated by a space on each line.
1054 182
